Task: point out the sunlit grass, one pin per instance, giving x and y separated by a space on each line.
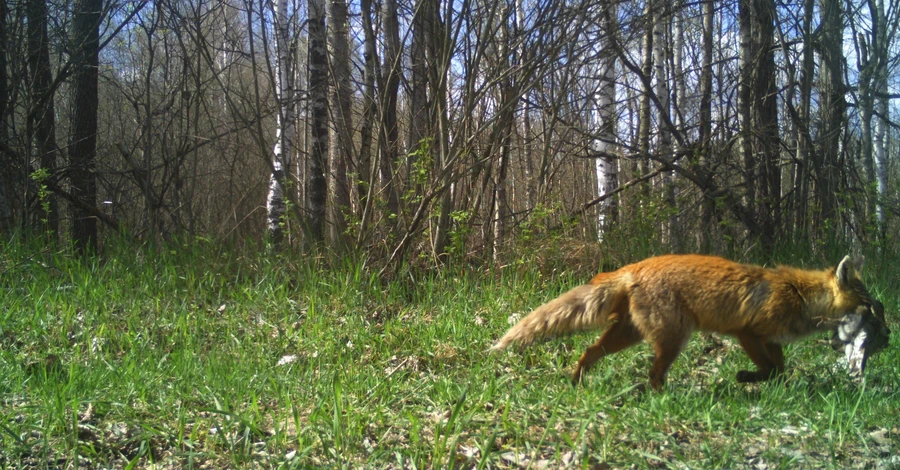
204 358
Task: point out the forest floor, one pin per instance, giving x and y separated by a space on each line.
201 359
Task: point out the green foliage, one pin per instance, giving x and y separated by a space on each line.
420 170
40 177
460 232
423 161
536 223
196 355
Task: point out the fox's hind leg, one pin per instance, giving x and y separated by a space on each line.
768 357
666 351
618 336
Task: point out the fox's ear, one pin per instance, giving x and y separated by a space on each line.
848 270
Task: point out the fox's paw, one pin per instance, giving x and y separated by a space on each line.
747 376
577 376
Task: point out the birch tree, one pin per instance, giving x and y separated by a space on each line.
877 64
284 137
607 163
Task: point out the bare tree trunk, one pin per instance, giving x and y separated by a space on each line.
791 126
804 143
661 19
85 47
832 106
644 113
506 122
759 116
766 123
391 84
707 206
364 171
440 47
7 167
866 101
318 103
745 107
143 169
419 115
527 155
42 114
342 129
501 202
679 98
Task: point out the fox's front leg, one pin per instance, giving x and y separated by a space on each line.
768 357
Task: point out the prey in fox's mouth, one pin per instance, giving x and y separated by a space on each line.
861 334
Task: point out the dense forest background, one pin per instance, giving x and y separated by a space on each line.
427 130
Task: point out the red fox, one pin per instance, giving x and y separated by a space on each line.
664 299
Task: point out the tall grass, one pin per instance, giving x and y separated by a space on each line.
200 356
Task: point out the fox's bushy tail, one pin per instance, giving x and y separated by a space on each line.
584 307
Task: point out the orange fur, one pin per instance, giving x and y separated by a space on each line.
664 299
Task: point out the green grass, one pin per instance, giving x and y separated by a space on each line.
205 359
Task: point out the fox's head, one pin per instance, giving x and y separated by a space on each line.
859 310
848 290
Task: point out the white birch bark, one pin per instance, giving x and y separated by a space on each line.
880 135
678 65
880 144
605 120
284 136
